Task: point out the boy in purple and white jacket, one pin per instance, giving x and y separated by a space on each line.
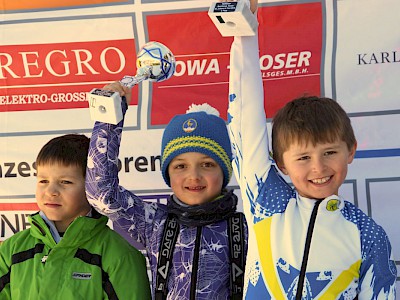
200 218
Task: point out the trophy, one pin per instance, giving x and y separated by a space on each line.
233 18
155 62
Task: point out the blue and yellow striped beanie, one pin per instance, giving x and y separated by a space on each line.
199 130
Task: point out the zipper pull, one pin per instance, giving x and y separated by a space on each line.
44 258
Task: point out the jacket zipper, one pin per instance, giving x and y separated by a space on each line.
195 264
307 250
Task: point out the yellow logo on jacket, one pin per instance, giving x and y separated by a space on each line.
332 205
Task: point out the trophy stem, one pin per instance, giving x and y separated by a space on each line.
130 81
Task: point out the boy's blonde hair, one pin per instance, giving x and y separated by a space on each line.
310 120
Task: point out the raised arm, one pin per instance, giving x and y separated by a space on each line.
102 183
247 121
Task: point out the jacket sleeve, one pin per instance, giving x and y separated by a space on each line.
129 276
247 121
5 270
102 183
254 169
378 271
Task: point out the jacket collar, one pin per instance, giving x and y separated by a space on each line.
79 231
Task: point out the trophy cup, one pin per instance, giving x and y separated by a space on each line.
233 18
155 62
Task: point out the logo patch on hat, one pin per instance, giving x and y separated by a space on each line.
189 125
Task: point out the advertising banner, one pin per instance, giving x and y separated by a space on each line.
53 53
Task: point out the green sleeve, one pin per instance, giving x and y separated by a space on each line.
5 265
128 275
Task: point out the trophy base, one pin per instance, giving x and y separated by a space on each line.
105 106
233 18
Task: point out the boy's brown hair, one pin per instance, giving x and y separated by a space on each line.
310 119
67 150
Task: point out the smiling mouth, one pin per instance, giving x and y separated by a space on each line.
321 180
195 188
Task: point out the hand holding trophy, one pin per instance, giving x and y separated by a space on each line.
155 62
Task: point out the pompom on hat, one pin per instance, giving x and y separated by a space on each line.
199 130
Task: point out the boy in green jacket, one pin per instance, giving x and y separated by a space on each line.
69 252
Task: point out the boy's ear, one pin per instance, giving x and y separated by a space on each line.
281 167
352 153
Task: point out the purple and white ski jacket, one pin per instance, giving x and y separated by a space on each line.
145 223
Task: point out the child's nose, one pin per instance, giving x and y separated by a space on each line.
194 173
52 190
318 165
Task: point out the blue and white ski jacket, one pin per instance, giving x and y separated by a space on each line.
350 255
